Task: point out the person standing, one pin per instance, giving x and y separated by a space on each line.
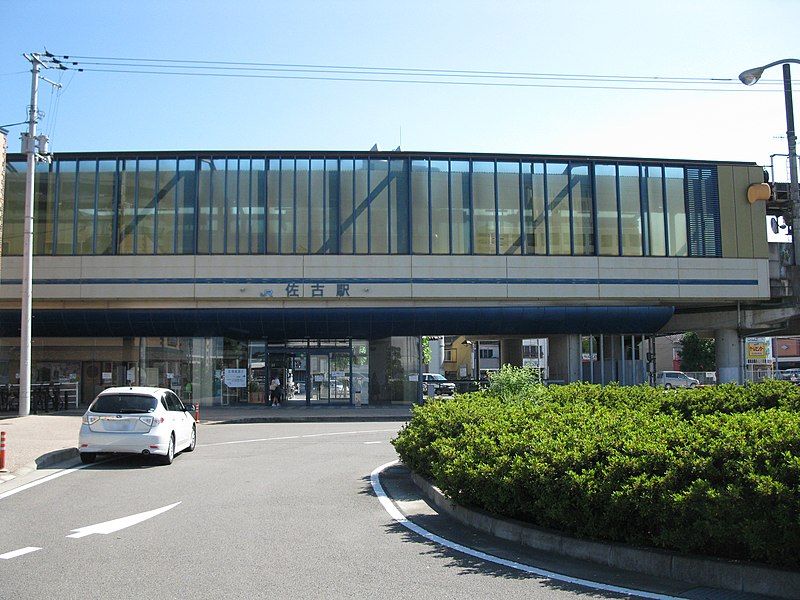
275 391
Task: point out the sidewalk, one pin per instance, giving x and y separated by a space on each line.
37 441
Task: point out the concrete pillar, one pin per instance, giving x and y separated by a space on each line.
511 352
729 357
564 358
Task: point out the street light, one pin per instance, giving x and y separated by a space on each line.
751 76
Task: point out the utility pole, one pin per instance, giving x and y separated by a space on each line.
36 149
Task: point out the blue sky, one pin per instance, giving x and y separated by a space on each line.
698 38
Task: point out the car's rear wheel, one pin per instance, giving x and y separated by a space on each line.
667 386
88 458
166 459
193 439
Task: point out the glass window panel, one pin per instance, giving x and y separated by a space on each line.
676 212
218 207
535 209
126 220
398 210
655 208
419 207
258 204
630 210
243 208
232 208
379 206
440 207
605 182
273 205
286 207
165 206
558 208
346 207
582 210
483 207
509 232
318 207
14 208
146 207
44 208
332 185
301 206
360 211
106 181
461 212
186 206
65 230
86 187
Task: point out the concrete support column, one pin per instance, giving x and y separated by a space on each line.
729 358
564 358
511 352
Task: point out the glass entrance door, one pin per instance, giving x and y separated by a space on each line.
329 377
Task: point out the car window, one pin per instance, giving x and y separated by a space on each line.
123 403
176 401
164 404
438 377
172 401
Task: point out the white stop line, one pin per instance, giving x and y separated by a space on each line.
402 520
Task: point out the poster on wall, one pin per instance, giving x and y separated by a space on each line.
236 378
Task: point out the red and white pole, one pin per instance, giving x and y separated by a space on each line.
197 413
2 450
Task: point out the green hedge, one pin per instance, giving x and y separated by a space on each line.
712 471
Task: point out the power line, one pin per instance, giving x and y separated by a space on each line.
298 66
254 70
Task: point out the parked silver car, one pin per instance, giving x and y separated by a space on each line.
671 379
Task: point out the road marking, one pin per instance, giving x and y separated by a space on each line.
55 475
373 442
20 552
389 506
117 524
296 437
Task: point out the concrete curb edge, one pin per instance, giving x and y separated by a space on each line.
310 419
44 461
719 573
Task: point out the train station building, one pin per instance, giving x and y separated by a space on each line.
214 272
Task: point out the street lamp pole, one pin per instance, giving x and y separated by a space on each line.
750 77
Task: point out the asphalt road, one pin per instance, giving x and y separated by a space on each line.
258 517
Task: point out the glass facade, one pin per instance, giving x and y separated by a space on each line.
390 203
314 372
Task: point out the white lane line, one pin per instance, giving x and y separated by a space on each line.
45 479
367 443
272 439
296 437
117 524
311 435
402 520
20 552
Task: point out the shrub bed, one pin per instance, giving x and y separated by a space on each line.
712 471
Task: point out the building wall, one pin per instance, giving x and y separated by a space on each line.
261 281
742 224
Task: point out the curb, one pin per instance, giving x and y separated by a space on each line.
718 573
44 461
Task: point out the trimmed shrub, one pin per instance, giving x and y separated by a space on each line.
710 470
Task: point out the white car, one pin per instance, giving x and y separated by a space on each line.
671 379
137 420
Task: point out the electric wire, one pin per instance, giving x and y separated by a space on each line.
291 66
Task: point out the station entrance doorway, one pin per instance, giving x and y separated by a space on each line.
310 375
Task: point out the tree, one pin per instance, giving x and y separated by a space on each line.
426 350
697 354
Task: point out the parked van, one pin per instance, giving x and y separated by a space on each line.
671 379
